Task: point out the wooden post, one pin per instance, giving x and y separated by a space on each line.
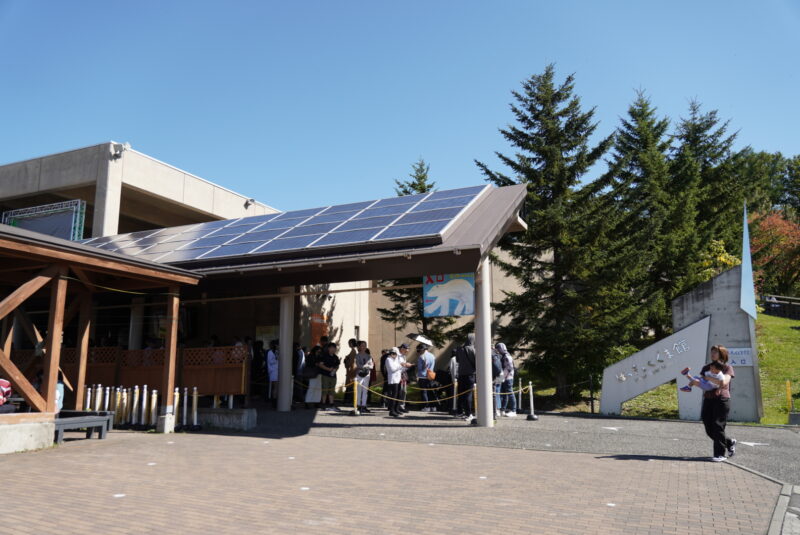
8 333
55 327
170 355
84 325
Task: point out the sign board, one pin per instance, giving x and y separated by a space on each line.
450 294
62 220
740 356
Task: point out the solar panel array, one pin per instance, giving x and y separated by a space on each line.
408 218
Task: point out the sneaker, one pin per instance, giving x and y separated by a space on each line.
732 448
718 459
686 389
510 414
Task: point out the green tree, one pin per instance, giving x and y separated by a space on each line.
406 303
552 139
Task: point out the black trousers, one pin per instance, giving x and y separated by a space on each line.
715 417
392 391
465 384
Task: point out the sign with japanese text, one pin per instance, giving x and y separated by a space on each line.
740 356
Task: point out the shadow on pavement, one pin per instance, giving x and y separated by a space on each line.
652 458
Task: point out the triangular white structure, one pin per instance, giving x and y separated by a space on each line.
747 298
656 365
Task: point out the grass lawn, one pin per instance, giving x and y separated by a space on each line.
779 361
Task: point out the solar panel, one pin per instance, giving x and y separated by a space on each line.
408 219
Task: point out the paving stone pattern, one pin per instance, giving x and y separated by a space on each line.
206 483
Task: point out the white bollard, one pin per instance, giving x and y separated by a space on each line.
455 395
194 406
134 406
143 419
153 407
185 404
87 397
124 409
230 401
98 397
176 403
532 415
519 395
107 395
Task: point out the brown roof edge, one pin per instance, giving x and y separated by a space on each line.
39 244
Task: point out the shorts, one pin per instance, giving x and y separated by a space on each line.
328 384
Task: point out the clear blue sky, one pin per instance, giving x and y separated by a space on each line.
300 103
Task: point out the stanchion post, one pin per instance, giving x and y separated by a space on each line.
355 412
135 406
532 415
194 407
519 395
789 400
143 419
455 396
185 404
153 407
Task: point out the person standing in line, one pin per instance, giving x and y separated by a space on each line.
402 390
717 405
508 403
394 370
350 370
426 362
384 374
363 366
313 373
465 356
272 371
5 395
330 365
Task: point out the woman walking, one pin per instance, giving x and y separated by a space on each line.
717 405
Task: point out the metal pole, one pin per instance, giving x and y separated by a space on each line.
143 419
153 407
519 394
177 400
87 405
455 395
123 417
532 415
230 401
185 404
194 407
134 406
106 399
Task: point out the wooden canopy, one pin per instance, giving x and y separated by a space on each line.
30 263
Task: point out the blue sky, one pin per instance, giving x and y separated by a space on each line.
302 103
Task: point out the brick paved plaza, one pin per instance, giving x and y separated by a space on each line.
210 483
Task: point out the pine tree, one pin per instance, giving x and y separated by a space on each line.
551 136
407 304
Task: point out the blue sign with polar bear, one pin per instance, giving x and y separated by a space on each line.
450 294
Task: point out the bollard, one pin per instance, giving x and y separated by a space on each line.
134 406
124 411
185 403
455 396
355 412
153 408
194 408
230 401
112 404
106 398
87 398
519 395
143 419
176 405
98 397
129 407
789 400
532 415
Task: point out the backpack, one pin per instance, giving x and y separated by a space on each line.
497 366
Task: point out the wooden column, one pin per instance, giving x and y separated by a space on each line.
84 326
55 326
170 357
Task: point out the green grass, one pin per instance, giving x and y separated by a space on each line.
779 361
661 402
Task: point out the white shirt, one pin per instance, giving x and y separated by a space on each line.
394 370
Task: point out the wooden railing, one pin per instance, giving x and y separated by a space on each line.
213 370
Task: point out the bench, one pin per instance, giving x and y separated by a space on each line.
100 421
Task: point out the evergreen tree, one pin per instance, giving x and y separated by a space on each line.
407 305
552 139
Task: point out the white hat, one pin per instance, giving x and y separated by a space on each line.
394 350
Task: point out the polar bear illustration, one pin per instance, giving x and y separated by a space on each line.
457 289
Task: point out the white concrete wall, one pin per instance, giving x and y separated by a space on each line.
26 436
730 327
70 169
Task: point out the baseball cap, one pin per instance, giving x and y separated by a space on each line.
402 346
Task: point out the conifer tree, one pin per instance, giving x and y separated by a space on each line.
552 139
407 305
